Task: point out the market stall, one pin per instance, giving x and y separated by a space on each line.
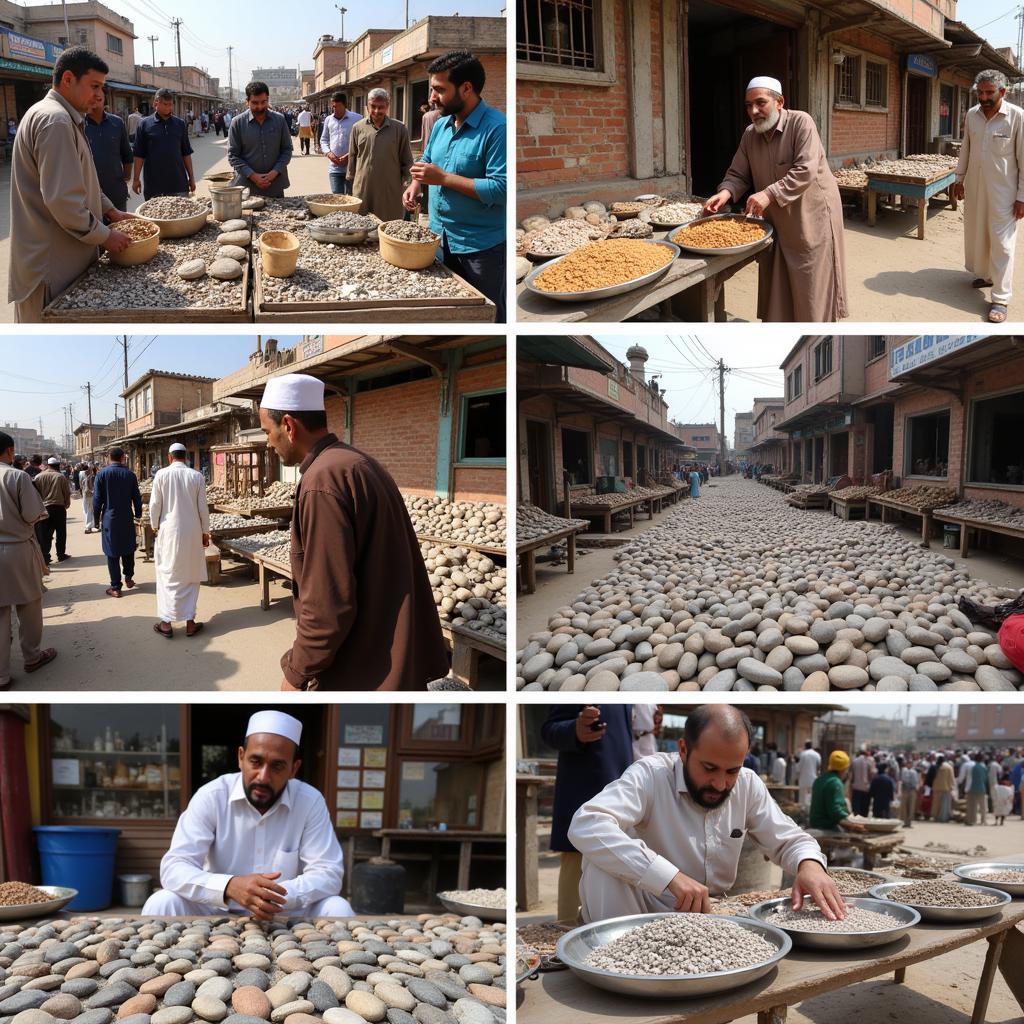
984 519
918 177
536 529
918 502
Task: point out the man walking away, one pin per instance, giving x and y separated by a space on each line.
54 489
466 158
87 486
305 131
334 142
21 565
117 503
990 176
181 522
260 145
910 779
808 766
108 140
57 206
163 154
133 124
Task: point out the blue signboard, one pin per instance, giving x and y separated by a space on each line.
926 348
19 47
922 64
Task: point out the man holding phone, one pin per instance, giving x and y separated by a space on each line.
595 746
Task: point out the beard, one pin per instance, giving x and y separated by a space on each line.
260 800
767 123
454 106
705 797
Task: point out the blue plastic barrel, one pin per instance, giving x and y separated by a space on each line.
82 858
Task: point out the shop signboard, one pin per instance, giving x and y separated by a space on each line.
24 48
927 348
922 64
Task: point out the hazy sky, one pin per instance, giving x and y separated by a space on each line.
265 34
992 19
686 364
42 374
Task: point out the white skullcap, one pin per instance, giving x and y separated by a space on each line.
764 82
277 723
53 462
294 392
177 447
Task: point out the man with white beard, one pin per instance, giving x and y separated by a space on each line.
780 156
990 175
181 524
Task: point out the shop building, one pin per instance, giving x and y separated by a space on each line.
617 99
997 725
431 408
958 407
743 435
194 90
704 438
768 446
581 414
422 770
328 62
93 438
26 68
397 60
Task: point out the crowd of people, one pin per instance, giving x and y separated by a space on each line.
73 162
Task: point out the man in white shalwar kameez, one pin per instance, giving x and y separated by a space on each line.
990 176
181 524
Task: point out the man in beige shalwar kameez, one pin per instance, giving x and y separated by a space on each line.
803 277
379 158
21 565
57 206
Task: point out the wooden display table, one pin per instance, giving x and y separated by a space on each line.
464 838
527 552
921 189
486 549
924 515
871 845
266 570
692 291
848 508
276 512
527 856
467 647
581 510
979 526
559 997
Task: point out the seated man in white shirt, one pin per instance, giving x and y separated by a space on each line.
256 841
667 835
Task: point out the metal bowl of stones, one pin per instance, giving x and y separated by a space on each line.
457 906
671 215
672 956
61 896
718 230
341 228
947 901
1007 877
856 881
593 294
176 216
869 922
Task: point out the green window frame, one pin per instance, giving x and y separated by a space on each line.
464 460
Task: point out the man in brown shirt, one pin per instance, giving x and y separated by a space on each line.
54 489
365 616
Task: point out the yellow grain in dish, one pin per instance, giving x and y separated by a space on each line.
603 264
719 234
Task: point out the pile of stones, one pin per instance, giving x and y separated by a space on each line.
810 919
220 521
941 894
999 512
533 523
459 577
432 969
270 545
173 207
466 522
489 898
924 499
741 592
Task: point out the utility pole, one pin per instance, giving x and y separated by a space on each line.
124 345
176 25
721 414
88 397
152 49
344 11
67 30
231 91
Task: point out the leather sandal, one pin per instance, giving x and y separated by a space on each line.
168 633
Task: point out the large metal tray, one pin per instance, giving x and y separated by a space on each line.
61 896
471 909
574 948
968 871
600 293
729 249
903 918
927 913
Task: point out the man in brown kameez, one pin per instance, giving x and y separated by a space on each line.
379 158
365 617
57 206
803 276
21 565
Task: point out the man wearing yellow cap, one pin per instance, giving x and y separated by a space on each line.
782 164
828 797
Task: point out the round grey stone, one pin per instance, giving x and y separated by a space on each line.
172 1015
758 672
109 996
959 661
322 996
427 1014
427 992
922 683
397 1016
81 988
252 976
216 988
100 1015
640 681
180 994
890 666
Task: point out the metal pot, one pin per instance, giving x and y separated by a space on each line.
135 889
227 202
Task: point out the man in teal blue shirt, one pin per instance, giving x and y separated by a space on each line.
466 159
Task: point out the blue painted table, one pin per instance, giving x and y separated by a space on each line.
921 189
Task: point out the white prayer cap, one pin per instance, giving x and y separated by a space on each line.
277 723
177 447
764 82
53 462
294 392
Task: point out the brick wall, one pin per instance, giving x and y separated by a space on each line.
477 483
1009 374
857 134
398 426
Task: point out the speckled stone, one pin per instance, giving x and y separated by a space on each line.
172 1015
32 1016
180 994
322 996
217 988
110 996
336 980
469 1011
490 994
449 984
62 1006
252 977
158 986
367 1005
395 996
427 1014
251 1001
279 1013
80 988
100 1015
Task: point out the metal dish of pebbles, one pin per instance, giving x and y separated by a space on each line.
730 249
574 948
61 894
847 879
933 913
471 909
903 919
600 293
970 872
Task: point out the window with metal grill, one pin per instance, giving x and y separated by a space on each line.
114 44
876 82
823 359
876 346
848 80
558 32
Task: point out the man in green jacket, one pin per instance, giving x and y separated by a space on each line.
828 796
